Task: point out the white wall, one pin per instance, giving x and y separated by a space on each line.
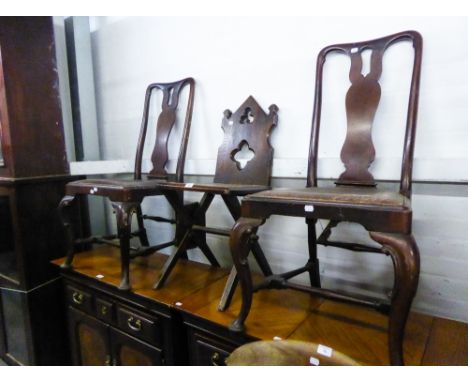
274 60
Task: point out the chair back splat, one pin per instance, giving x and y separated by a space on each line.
247 128
166 120
362 100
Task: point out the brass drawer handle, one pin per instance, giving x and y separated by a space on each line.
215 358
78 298
104 310
134 326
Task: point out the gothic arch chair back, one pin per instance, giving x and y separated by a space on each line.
126 195
247 129
355 198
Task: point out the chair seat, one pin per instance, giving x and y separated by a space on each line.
122 190
215 188
336 196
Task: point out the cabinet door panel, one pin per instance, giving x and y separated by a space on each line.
89 340
130 351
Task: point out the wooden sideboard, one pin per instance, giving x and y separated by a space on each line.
180 324
128 328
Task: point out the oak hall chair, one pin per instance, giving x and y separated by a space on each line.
356 198
248 128
126 195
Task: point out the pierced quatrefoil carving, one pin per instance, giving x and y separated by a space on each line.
247 116
242 155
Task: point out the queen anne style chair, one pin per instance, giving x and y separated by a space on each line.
386 215
126 195
248 128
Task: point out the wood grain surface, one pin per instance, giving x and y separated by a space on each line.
356 332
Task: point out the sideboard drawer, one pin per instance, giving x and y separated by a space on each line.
209 352
144 327
79 299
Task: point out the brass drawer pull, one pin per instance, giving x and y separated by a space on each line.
78 298
215 358
103 310
134 326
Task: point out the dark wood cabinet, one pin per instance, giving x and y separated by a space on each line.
96 343
140 327
105 330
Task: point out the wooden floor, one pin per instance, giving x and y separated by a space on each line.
355 331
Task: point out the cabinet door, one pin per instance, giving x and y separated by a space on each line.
89 340
130 351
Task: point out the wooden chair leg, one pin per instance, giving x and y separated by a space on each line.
229 290
233 280
124 211
405 257
206 250
183 223
176 201
64 212
313 263
240 247
260 258
172 260
234 207
142 235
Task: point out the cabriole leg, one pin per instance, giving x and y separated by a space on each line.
240 247
234 207
405 257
